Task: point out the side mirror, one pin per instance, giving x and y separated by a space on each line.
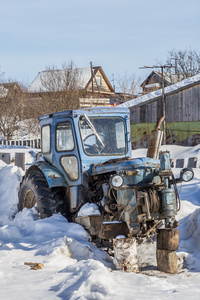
186 174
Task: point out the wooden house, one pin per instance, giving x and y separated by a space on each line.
154 81
94 84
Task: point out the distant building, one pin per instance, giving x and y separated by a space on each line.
97 90
154 81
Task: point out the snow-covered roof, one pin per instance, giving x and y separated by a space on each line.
38 86
152 85
169 89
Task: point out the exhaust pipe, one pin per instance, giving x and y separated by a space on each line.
155 140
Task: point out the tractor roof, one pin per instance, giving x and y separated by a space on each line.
88 111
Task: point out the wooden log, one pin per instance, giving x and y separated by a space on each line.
167 261
167 243
168 239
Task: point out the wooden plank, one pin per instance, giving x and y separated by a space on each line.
170 102
150 113
142 114
159 109
137 112
185 106
195 108
180 163
20 160
5 157
192 162
175 111
180 103
135 116
154 112
146 113
190 104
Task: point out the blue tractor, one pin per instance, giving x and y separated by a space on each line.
87 159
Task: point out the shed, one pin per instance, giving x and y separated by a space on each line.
182 102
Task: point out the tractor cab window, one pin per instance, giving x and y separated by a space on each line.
64 137
46 145
103 135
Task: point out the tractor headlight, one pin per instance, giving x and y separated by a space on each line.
116 181
186 174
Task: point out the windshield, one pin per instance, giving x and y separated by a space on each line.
103 135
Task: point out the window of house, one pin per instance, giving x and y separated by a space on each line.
98 80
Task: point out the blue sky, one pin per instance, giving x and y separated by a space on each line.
120 36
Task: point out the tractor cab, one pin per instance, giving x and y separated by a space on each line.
73 141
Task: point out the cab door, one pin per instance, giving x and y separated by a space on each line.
66 157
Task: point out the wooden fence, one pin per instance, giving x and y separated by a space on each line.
191 162
32 143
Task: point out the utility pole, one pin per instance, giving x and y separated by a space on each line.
113 80
163 96
176 66
92 75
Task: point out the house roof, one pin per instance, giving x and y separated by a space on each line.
84 80
169 78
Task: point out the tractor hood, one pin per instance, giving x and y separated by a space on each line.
125 164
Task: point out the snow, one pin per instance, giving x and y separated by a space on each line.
73 267
158 93
89 209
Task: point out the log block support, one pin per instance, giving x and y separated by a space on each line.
167 243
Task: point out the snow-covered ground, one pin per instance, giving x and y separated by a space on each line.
73 267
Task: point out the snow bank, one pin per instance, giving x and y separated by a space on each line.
89 209
74 268
10 178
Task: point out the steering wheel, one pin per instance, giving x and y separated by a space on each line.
96 146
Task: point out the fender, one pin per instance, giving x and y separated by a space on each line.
53 177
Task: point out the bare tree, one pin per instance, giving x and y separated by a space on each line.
128 85
1 75
186 63
10 109
61 88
